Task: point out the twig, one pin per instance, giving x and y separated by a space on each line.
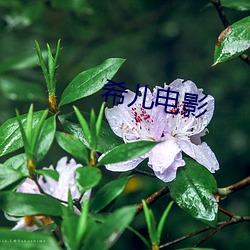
152 198
235 220
144 173
224 211
226 23
204 229
223 192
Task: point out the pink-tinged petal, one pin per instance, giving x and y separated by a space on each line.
165 158
59 189
196 139
193 124
135 122
201 153
29 187
124 166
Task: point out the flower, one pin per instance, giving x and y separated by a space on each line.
177 132
58 189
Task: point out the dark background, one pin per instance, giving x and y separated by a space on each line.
161 41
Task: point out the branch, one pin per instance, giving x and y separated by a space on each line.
152 198
235 220
226 23
223 192
144 173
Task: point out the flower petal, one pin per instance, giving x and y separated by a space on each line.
135 122
29 187
165 158
201 153
125 166
193 124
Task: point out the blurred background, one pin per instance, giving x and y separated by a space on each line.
161 41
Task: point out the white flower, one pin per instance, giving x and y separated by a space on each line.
176 131
58 189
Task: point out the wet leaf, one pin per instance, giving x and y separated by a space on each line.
193 191
126 152
10 136
233 41
90 81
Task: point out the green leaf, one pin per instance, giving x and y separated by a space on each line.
18 162
19 90
108 193
84 125
233 41
107 139
151 223
143 239
241 5
99 121
10 136
73 146
8 176
90 81
87 177
126 152
193 191
105 235
20 204
16 240
69 230
162 221
53 174
74 228
46 138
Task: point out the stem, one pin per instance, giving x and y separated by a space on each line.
226 23
235 220
152 198
224 192
144 173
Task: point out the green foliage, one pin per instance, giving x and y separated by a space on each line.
90 81
30 204
154 231
108 193
73 146
127 152
107 139
11 174
110 230
50 70
241 5
17 240
193 190
87 178
233 41
10 136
